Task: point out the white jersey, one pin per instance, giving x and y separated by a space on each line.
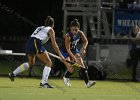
41 33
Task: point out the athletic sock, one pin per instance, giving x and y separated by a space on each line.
21 68
67 74
84 74
46 73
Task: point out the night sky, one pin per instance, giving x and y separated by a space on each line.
34 11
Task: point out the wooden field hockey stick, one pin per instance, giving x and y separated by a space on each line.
71 62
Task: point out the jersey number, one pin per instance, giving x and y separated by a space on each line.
39 29
73 46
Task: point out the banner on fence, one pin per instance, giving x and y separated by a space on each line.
124 20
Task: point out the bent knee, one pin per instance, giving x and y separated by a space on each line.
48 63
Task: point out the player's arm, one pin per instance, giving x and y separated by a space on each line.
51 34
85 42
67 45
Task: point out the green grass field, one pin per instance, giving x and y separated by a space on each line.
27 89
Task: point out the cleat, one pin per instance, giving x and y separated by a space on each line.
66 82
46 85
90 83
11 76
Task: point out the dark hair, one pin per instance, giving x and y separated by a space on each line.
75 22
49 21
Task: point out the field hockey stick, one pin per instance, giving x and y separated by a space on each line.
71 62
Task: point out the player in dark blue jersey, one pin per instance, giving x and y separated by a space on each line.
70 52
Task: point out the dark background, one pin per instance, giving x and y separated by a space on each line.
20 17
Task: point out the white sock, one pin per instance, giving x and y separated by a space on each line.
46 73
21 68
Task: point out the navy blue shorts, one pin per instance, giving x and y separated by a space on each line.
34 46
65 54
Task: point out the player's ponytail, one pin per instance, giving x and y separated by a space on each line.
75 22
49 21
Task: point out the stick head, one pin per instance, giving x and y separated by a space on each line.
76 65
73 63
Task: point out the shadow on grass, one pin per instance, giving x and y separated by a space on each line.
6 87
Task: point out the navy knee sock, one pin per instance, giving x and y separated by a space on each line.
85 74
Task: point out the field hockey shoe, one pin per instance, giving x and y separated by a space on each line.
11 76
46 85
90 83
66 81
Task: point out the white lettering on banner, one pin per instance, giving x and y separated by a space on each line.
128 23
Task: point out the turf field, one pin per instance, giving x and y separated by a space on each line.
27 89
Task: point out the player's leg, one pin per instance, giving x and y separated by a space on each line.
84 71
44 57
68 73
69 70
134 57
23 67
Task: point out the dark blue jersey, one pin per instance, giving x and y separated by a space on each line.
73 42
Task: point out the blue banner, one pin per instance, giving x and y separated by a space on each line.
124 20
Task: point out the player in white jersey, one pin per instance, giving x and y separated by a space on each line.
35 49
